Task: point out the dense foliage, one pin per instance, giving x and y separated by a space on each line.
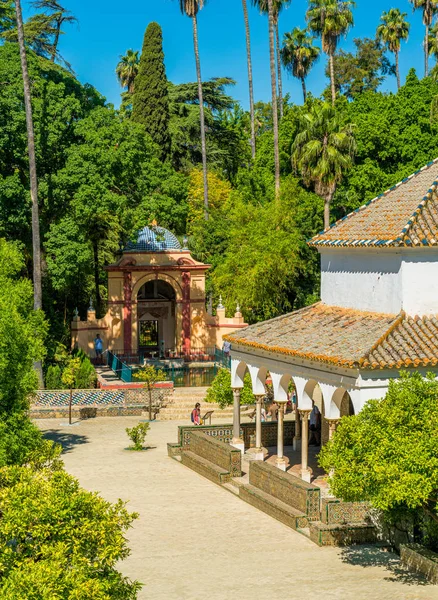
150 101
220 391
387 454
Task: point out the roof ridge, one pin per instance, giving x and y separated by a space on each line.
419 210
399 319
312 241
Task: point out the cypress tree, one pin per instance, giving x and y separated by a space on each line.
150 103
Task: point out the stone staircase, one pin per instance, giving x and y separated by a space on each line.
179 406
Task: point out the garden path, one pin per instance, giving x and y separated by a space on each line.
194 540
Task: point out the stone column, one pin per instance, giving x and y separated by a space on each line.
258 455
237 441
186 312
127 312
333 424
297 436
305 471
280 461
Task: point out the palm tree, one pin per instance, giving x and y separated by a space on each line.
36 245
250 81
323 150
299 54
433 42
330 19
391 31
429 9
274 98
191 9
58 17
277 7
127 69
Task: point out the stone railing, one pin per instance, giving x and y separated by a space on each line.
224 433
334 512
291 490
417 558
219 453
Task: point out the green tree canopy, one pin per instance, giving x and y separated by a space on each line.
150 103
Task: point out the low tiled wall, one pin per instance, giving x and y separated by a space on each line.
54 403
335 512
224 433
417 558
217 452
291 490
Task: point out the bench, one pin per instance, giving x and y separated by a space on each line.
212 458
281 495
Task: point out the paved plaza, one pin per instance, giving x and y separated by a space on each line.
194 540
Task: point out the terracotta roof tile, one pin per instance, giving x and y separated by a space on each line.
405 215
346 337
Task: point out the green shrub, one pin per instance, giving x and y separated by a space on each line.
137 435
53 378
86 377
221 393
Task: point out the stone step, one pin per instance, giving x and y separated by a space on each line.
273 507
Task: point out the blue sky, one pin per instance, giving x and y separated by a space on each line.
108 29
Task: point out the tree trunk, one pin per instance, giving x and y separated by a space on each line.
274 99
397 69
150 404
426 53
280 79
250 81
332 77
36 245
70 402
327 204
96 277
55 42
303 83
201 112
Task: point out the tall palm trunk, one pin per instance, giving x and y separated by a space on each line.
397 68
36 245
428 22
332 77
201 113
250 81
303 83
97 276
280 79
274 99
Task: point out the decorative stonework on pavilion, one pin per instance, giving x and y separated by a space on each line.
377 315
156 302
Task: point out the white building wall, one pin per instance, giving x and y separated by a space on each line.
384 280
420 282
362 279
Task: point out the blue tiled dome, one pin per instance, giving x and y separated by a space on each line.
154 239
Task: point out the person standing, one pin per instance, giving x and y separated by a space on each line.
98 346
315 427
196 414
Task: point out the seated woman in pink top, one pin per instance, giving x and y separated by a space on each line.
196 414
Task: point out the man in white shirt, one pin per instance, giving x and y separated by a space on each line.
315 427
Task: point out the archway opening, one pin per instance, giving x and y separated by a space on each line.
156 301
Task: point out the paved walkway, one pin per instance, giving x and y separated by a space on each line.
194 540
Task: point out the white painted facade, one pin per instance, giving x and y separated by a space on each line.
386 280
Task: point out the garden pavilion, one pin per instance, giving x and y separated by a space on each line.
377 316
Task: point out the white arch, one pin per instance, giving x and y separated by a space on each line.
238 371
280 382
258 379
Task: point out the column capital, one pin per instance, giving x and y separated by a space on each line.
259 397
304 413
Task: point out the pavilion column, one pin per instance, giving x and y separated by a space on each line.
186 312
305 471
280 461
258 455
127 312
237 441
297 436
333 425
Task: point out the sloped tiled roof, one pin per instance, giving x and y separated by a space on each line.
405 215
346 337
